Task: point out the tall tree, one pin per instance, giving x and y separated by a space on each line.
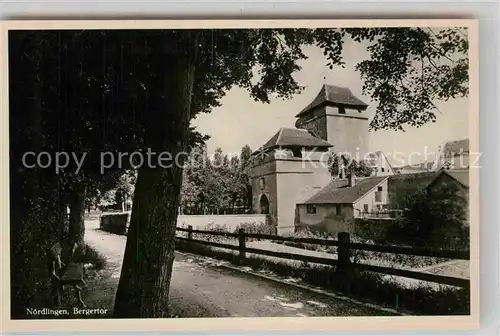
245 183
340 166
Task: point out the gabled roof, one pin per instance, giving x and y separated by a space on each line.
401 187
335 95
287 137
379 154
454 148
339 192
459 175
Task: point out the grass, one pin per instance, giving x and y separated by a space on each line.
419 300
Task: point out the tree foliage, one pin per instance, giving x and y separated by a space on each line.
344 165
216 184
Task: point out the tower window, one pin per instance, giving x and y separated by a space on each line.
382 169
262 183
297 152
341 110
338 209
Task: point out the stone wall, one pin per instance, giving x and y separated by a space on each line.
231 222
118 223
114 223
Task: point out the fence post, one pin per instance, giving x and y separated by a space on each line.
190 232
241 240
344 260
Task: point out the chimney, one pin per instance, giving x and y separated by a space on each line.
351 180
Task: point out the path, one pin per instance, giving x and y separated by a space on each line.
200 289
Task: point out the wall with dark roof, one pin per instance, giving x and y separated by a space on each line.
401 187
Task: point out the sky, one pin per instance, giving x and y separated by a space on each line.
240 120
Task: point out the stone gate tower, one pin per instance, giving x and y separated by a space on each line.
288 169
292 165
338 117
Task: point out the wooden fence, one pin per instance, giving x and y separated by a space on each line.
344 247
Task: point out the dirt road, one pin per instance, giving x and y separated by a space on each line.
202 289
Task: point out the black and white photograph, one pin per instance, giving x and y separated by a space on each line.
256 171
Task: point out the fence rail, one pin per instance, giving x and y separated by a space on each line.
343 262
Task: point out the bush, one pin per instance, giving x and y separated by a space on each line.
256 228
374 229
310 247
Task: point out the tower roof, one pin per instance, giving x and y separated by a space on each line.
287 137
335 95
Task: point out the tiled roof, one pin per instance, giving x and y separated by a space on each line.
459 175
339 192
334 95
453 148
294 137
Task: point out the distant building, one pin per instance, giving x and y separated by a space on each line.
380 164
415 168
335 207
449 155
453 155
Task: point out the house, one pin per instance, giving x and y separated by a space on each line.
453 155
379 164
335 207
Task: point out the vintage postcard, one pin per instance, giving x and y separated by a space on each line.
239 175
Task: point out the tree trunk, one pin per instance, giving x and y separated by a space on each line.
76 232
149 253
